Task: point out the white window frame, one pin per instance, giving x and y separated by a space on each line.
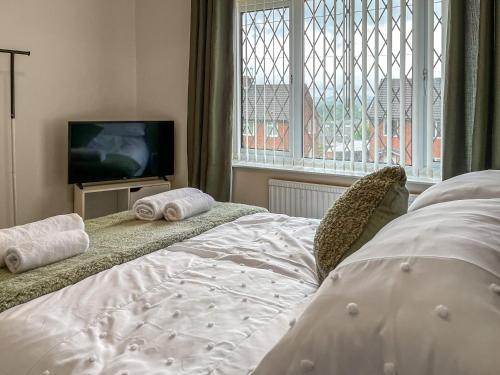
293 159
271 130
249 131
437 134
395 126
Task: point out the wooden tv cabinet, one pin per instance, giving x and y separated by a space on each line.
126 193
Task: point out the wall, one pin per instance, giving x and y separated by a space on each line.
83 66
162 69
91 59
250 184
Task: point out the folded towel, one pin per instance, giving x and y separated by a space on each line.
45 250
183 208
33 231
151 208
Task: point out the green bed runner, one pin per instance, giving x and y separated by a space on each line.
114 239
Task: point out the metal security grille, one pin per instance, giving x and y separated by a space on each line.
264 77
341 86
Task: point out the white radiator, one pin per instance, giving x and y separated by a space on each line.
304 199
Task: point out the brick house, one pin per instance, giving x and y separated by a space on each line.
266 117
382 129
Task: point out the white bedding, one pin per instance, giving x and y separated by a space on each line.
214 304
421 298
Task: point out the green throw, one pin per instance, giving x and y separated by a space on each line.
114 239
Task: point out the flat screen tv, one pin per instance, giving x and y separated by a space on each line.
119 150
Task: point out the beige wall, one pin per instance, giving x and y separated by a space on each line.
250 184
82 67
91 59
162 69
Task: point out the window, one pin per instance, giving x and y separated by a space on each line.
271 129
437 129
329 74
248 130
395 128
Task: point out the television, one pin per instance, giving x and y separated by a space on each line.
119 150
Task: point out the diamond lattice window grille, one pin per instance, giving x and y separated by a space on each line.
265 65
437 84
333 71
358 60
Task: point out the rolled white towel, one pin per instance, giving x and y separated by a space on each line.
33 231
46 250
183 208
151 208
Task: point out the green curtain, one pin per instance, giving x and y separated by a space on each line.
210 101
471 139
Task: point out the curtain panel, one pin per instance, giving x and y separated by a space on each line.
472 91
210 97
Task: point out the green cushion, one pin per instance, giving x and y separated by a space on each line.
365 208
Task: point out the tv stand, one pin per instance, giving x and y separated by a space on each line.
126 193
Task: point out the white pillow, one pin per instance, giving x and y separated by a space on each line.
422 297
474 185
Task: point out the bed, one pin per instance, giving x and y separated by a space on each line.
235 291
212 304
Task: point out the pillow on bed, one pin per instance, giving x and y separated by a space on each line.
422 297
474 185
368 205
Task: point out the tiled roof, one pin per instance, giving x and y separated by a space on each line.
382 99
273 101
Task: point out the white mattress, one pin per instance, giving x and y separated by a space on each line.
214 304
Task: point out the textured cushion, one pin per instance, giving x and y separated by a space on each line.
422 297
474 185
358 215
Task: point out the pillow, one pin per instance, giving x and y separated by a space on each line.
422 297
474 185
368 205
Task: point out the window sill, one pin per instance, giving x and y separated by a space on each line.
415 185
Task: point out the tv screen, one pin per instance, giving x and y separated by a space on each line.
119 150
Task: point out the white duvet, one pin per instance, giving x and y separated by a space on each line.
214 304
421 298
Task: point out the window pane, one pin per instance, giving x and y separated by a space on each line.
265 86
437 96
347 72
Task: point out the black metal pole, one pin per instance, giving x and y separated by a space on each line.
16 52
12 53
12 88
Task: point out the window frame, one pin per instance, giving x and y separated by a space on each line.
395 128
248 132
271 129
293 158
